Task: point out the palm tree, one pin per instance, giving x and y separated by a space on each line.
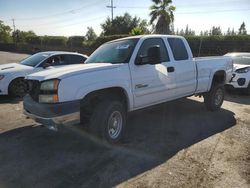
162 13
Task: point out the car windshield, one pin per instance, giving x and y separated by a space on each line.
114 52
33 60
243 60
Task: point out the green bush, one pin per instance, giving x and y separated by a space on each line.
75 41
218 45
35 40
54 41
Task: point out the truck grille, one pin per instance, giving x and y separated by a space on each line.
33 87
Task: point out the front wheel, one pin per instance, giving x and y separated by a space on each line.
108 120
214 98
17 88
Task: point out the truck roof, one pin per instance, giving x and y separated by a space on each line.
148 36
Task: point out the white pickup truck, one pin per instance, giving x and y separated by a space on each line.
122 76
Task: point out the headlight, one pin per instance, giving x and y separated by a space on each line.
1 77
49 91
49 85
243 70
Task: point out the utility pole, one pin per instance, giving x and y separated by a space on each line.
14 28
112 10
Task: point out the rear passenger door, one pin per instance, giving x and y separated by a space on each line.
76 59
185 68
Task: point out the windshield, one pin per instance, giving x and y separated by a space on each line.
114 52
33 60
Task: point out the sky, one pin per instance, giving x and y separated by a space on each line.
72 17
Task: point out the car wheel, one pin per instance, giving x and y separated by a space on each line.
248 89
17 88
214 98
108 120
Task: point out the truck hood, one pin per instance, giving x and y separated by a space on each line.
70 70
240 66
13 67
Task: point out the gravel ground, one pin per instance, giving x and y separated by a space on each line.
176 144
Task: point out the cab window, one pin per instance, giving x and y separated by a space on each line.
178 48
147 43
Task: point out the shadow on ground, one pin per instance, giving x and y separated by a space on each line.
237 97
36 157
4 99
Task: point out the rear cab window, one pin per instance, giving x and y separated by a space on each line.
178 49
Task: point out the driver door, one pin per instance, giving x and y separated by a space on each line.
152 84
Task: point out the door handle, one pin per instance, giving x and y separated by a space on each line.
141 86
170 69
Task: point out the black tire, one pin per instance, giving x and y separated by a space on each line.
214 98
17 88
100 121
248 90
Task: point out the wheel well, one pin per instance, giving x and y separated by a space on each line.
12 81
219 77
89 102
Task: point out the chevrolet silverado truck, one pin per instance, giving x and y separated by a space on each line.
121 76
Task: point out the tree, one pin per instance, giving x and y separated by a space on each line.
189 32
90 34
242 29
22 36
229 31
123 25
233 32
215 31
136 31
163 13
182 33
5 35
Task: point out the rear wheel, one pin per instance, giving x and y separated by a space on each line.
17 88
108 120
214 98
248 89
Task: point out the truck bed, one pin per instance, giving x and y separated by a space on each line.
206 66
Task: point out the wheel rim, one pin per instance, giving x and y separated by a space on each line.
218 97
115 124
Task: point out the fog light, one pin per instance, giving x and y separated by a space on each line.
241 81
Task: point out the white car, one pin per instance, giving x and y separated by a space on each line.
12 74
241 74
123 76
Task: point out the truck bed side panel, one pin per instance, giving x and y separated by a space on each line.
207 67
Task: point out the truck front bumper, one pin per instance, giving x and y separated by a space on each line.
52 115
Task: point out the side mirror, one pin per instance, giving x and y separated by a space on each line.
154 55
45 65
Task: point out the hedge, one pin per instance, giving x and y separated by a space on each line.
219 45
210 45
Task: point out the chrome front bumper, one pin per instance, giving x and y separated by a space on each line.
52 115
54 122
